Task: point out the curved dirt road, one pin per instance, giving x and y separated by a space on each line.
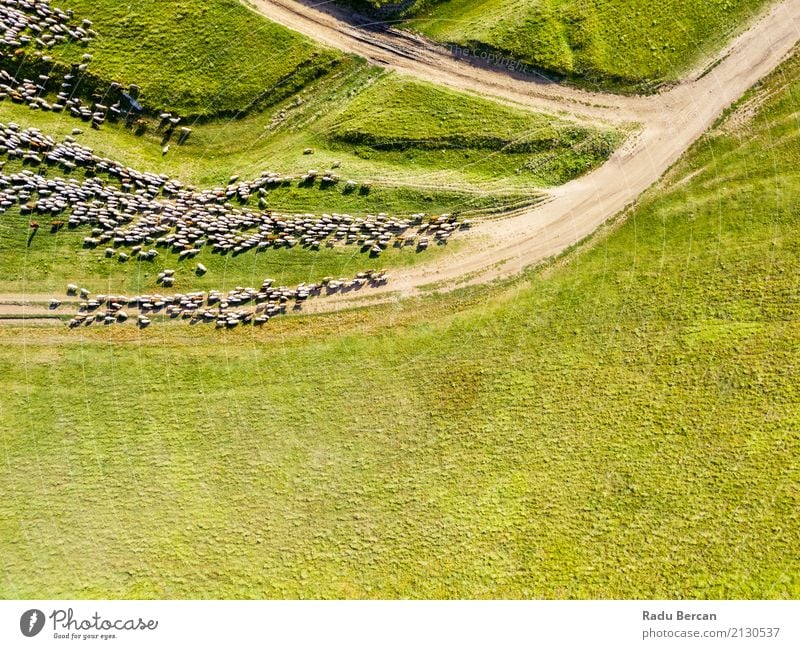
410 54
670 122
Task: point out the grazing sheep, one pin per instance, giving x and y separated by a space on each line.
137 210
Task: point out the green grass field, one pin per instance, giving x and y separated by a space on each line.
621 423
614 44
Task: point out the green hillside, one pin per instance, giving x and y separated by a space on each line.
198 58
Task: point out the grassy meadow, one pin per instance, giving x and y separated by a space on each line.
612 44
619 423
200 59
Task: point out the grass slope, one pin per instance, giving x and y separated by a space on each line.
199 58
620 424
616 44
480 135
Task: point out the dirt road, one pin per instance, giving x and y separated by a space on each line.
670 122
410 54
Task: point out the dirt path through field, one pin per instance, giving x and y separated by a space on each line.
670 122
410 54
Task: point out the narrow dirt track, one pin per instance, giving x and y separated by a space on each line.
410 54
670 122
